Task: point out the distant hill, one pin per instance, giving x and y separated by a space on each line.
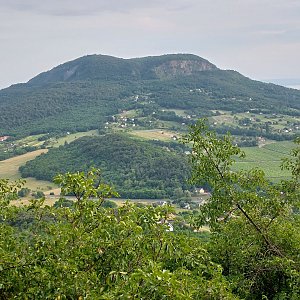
82 94
138 169
103 68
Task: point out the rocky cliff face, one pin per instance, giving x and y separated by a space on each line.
182 67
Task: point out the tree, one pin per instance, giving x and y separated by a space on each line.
255 232
8 191
23 192
90 252
109 204
38 194
85 186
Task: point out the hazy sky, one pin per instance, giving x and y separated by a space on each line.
258 38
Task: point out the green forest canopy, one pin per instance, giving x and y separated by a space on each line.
138 169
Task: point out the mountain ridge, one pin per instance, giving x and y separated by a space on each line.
83 93
105 67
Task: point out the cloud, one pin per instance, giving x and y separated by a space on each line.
251 36
91 7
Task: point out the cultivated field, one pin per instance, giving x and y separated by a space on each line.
155 134
267 158
9 168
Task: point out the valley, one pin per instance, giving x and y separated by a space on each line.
128 116
267 157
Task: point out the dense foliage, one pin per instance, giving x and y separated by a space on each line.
137 169
57 107
91 252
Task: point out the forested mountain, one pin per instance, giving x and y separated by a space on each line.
82 94
138 169
103 67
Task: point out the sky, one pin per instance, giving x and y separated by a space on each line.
258 38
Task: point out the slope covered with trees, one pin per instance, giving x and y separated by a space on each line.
81 94
137 169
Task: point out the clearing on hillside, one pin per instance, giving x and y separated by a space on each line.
9 169
155 134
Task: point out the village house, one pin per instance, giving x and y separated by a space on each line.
3 138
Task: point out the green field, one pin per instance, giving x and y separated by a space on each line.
31 140
74 136
224 118
155 134
267 158
129 113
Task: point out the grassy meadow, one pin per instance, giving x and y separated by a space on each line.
9 168
73 136
268 158
155 134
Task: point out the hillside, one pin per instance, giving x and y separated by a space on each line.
83 94
138 169
103 68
